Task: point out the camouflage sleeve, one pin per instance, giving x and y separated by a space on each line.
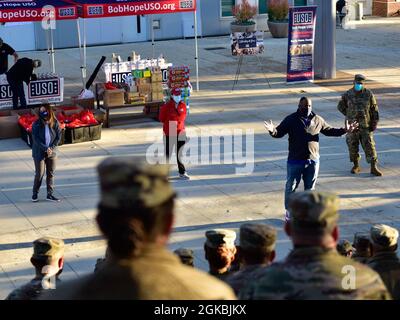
342 105
373 111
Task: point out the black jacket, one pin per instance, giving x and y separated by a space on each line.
303 139
39 139
22 70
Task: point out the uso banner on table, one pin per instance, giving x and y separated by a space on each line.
37 92
300 65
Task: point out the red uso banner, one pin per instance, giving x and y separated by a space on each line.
104 8
30 10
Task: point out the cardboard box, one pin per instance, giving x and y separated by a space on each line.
68 110
143 81
84 103
114 98
144 88
158 96
9 125
156 77
138 100
156 87
147 74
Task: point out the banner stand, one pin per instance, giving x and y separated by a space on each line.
239 68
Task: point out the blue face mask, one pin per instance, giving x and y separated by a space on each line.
44 114
177 99
358 87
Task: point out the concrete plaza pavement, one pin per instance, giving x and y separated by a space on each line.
215 196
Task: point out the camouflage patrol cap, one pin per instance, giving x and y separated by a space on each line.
384 236
48 247
186 255
344 247
220 237
130 181
361 240
255 236
313 211
359 78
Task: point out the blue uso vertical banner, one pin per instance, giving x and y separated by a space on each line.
300 65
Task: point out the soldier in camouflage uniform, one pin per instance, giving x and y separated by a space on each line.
186 256
220 251
362 245
314 270
256 251
359 105
135 215
384 259
48 260
345 248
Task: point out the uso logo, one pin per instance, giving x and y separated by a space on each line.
119 77
47 88
303 18
5 92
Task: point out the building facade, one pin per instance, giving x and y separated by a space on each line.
214 18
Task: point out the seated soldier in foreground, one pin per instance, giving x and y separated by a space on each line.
256 251
135 215
384 258
362 245
314 270
220 251
48 260
345 248
186 256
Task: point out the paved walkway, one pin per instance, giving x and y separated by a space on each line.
216 196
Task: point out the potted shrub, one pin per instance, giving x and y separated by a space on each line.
278 18
244 13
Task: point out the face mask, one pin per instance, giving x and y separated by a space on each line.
177 99
358 87
43 115
305 111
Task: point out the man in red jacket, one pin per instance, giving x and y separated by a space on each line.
173 115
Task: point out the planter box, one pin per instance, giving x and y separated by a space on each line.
9 125
243 27
278 29
83 134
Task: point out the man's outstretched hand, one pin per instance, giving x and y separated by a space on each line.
269 126
351 127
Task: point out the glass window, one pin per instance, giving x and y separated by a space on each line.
299 3
226 8
262 6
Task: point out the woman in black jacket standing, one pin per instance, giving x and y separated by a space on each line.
46 135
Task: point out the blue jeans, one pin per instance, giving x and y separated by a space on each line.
17 89
295 172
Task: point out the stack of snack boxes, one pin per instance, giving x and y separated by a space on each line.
178 77
156 84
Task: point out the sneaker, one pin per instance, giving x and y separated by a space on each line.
35 198
184 176
50 197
